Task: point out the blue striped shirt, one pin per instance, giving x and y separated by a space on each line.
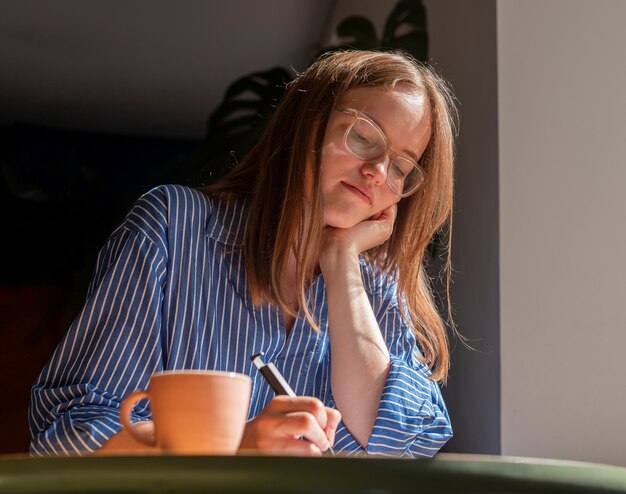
169 292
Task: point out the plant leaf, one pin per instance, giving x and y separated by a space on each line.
358 32
235 125
405 29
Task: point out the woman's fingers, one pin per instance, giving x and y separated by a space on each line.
290 446
294 425
302 425
386 214
373 231
286 404
333 417
383 223
273 433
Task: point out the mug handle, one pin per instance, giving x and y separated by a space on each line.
126 409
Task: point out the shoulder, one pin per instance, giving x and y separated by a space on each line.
172 198
168 212
161 212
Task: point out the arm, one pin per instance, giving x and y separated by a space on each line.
389 406
112 348
359 357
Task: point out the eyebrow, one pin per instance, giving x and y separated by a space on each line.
407 152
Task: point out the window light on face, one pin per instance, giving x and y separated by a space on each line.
366 140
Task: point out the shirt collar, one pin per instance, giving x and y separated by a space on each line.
228 221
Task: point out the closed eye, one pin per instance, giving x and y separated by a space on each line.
361 139
400 168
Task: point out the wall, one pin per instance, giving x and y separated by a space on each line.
463 48
150 67
562 103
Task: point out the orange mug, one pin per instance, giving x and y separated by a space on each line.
194 412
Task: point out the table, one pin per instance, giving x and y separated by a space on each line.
447 473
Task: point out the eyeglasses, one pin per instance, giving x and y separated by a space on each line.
366 140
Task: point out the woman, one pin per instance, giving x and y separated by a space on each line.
311 250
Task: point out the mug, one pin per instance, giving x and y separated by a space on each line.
194 412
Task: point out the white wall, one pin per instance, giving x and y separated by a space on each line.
562 127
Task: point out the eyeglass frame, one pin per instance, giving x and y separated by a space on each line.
357 114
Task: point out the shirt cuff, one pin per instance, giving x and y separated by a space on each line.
412 419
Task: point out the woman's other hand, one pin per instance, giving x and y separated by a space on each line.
299 425
362 236
124 442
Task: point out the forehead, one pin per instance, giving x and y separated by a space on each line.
377 99
402 113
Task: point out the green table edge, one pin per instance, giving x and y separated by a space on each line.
446 473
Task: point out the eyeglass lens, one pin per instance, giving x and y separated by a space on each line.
366 142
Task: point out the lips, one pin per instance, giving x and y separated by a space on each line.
361 192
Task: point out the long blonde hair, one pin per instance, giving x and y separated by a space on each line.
272 177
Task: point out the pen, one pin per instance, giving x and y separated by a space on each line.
275 379
272 375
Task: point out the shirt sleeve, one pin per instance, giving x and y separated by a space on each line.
412 418
111 349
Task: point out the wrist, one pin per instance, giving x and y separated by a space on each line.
337 254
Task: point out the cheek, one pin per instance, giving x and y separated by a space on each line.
387 198
333 163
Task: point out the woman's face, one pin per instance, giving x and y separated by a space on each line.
355 189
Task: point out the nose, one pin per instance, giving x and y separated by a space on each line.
376 168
